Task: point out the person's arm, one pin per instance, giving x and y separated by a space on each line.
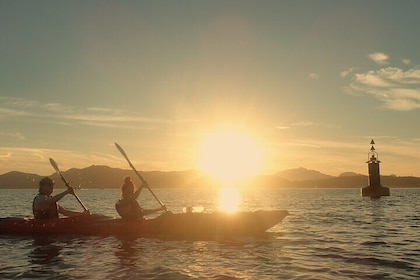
64 211
70 213
59 196
151 211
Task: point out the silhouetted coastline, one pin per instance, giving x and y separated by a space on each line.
104 177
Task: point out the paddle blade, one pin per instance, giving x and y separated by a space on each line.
138 174
54 165
121 150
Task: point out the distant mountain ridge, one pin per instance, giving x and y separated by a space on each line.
301 174
104 177
346 174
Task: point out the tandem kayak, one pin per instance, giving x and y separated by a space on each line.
167 225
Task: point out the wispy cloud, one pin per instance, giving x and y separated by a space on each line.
12 108
6 155
379 57
16 135
7 112
406 61
397 89
306 124
303 123
347 72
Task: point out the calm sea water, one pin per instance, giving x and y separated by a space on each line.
330 234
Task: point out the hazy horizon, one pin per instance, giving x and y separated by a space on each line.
196 169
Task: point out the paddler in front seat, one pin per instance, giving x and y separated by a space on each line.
128 207
45 206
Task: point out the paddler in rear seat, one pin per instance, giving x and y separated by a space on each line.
45 206
128 207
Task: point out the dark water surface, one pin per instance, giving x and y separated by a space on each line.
330 234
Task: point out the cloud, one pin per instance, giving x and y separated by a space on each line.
396 88
379 57
371 78
303 123
314 76
6 112
16 135
296 124
6 156
401 104
406 61
347 72
306 124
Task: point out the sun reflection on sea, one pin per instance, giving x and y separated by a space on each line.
229 199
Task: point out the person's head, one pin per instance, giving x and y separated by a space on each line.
127 188
46 186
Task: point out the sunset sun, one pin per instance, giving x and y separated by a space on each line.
229 156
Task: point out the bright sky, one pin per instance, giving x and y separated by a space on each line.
308 83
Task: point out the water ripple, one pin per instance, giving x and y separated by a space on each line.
330 234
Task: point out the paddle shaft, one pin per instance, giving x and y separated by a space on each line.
54 164
138 174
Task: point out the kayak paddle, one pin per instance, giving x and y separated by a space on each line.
54 164
138 174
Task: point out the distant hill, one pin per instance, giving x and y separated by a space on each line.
347 174
301 174
103 177
16 179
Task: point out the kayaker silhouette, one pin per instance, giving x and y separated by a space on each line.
45 206
128 207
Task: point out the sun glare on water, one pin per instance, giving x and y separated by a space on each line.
229 199
229 156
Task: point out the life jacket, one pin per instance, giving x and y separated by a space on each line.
129 209
50 213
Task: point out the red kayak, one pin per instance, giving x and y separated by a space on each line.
183 225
